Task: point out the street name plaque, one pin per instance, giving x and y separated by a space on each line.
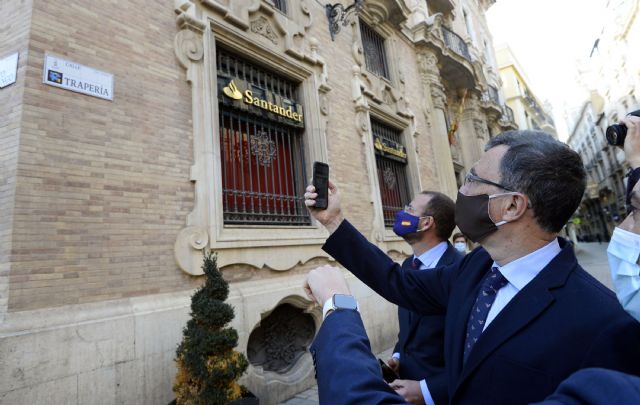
73 76
8 70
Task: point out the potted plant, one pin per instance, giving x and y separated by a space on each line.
208 366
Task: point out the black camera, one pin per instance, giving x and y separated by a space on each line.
616 133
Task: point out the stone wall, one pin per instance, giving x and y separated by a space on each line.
102 186
98 198
14 35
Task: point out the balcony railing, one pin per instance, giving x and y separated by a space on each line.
534 104
493 95
508 112
454 42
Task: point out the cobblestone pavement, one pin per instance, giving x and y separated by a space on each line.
592 256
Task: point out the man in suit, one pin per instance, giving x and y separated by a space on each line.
418 356
521 315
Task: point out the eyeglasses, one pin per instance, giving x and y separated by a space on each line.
471 178
409 210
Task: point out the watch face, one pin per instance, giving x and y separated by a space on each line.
344 301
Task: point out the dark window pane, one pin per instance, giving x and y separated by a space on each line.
374 54
281 5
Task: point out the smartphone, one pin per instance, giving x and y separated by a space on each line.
321 183
387 372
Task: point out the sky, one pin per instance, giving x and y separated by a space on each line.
548 37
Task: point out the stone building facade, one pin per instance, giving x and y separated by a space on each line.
528 111
611 73
219 109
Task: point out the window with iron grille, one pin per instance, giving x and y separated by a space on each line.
262 153
391 164
280 5
374 54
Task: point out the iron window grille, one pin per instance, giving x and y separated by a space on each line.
375 56
262 154
280 5
391 164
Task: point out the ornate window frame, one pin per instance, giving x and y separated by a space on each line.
257 27
385 100
412 173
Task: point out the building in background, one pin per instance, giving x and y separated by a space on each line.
611 74
195 127
529 112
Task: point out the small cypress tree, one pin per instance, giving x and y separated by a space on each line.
208 367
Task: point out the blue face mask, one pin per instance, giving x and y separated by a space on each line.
406 224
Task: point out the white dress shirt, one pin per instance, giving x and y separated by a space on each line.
519 273
624 254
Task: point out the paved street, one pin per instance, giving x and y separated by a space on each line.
592 256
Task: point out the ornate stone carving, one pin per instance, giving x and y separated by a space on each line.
434 22
356 47
186 16
188 41
304 8
188 249
262 27
356 87
387 97
323 87
188 47
428 63
455 153
438 96
281 339
480 128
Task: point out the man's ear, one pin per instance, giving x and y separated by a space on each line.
515 207
429 223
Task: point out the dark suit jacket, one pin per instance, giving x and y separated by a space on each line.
421 340
562 321
596 386
346 370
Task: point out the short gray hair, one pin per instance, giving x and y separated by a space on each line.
545 170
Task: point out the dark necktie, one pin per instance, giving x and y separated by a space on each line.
416 263
487 294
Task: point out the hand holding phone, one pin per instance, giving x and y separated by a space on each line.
387 372
321 183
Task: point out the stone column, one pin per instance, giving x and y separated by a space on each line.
471 133
434 112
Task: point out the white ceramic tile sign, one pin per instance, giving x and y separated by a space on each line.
8 70
73 76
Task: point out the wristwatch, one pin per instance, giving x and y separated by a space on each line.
339 301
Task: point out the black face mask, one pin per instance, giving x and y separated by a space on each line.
472 215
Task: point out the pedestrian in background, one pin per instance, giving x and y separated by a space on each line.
460 243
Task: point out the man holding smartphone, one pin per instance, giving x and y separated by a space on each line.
521 314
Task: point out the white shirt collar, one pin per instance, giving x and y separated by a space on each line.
521 271
431 257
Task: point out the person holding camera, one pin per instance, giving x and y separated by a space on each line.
598 386
624 248
521 315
